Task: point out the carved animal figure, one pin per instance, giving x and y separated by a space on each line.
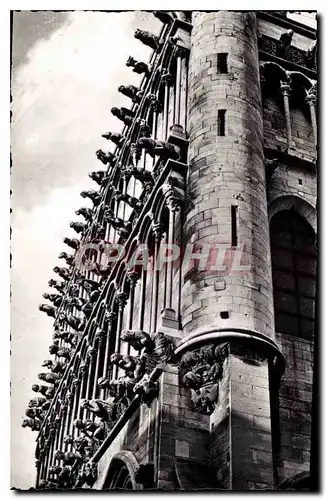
61 352
49 310
63 272
139 67
117 139
33 423
58 285
130 91
123 114
68 458
147 38
72 243
54 366
50 377
90 429
94 196
79 227
85 212
103 409
36 402
55 298
98 176
68 258
162 149
45 390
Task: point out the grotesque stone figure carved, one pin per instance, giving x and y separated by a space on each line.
46 390
139 67
85 212
98 176
50 377
37 402
88 473
131 91
58 285
103 409
201 370
284 43
61 352
68 458
63 475
157 344
147 38
37 413
49 310
33 423
88 284
124 114
77 302
154 148
68 258
76 323
54 366
118 223
72 243
311 54
132 202
63 272
67 337
79 227
163 16
147 388
105 158
117 139
55 298
93 430
94 196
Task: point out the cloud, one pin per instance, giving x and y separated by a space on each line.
61 105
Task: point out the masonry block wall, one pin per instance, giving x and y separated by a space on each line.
227 170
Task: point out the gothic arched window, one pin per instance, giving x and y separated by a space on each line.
293 254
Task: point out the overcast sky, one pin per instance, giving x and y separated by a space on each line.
66 67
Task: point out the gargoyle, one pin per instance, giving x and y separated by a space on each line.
79 227
35 413
85 212
311 54
88 284
205 399
139 340
87 309
154 148
55 298
130 91
125 362
67 337
88 473
61 352
98 176
94 196
37 402
124 114
117 139
130 200
147 388
74 322
139 67
50 377
105 158
49 310
63 473
45 390
103 409
118 223
33 423
93 430
140 174
72 243
157 344
147 38
54 366
68 258
164 16
58 285
68 458
284 42
47 485
63 272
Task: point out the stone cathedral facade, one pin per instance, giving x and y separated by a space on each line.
183 344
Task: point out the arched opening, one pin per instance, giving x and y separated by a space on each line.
293 254
121 473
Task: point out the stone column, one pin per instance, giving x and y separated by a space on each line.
311 100
166 80
227 294
158 234
286 92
